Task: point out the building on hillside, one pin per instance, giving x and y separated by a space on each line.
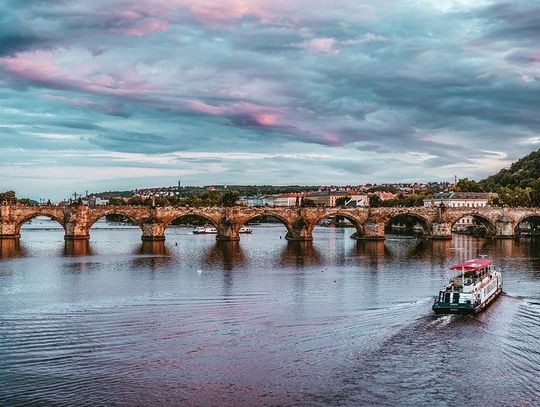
460 199
94 200
360 200
385 196
252 201
287 200
158 191
329 198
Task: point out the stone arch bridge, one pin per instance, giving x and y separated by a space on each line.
370 223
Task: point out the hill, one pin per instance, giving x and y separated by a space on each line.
524 173
518 185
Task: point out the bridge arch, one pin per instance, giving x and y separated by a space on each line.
357 223
491 229
269 214
33 215
528 224
114 211
424 223
169 220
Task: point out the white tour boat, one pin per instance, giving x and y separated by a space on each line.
472 290
245 229
201 230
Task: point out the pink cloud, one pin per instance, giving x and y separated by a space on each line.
266 12
332 138
266 119
256 114
142 28
37 66
320 45
41 67
202 107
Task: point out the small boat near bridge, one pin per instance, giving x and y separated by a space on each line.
203 230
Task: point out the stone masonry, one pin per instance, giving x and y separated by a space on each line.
370 223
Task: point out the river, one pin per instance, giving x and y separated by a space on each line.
194 322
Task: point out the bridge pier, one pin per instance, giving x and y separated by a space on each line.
9 230
10 236
76 223
227 238
153 232
441 231
76 231
300 230
228 232
76 237
373 230
8 227
504 227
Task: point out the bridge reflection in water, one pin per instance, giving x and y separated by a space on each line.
153 248
11 248
77 248
229 255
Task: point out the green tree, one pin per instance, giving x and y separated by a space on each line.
513 197
375 201
468 185
137 201
230 198
161 201
308 203
116 201
8 197
535 193
342 201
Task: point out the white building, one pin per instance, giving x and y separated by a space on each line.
329 198
358 200
460 199
252 201
287 200
94 200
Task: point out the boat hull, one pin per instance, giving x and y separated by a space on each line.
448 308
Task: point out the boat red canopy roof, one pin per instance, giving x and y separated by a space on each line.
472 265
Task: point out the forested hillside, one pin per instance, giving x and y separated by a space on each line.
523 173
518 185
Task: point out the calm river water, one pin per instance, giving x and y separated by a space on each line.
260 322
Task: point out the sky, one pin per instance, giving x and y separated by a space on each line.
100 95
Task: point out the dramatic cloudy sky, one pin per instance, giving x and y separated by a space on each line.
103 95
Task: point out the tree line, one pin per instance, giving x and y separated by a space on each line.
10 197
206 198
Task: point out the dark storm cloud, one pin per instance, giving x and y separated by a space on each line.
516 20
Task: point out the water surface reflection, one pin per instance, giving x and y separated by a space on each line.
192 321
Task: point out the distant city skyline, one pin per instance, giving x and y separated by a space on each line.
117 95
